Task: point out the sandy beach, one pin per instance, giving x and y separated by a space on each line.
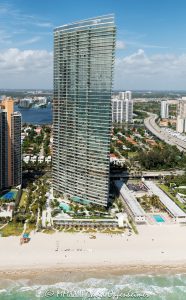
159 249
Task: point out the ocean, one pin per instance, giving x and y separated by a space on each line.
38 116
152 287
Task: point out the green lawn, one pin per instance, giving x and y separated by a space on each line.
112 231
69 230
12 229
49 231
131 154
23 200
134 228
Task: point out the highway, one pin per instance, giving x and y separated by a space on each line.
150 124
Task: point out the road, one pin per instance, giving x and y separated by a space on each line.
150 124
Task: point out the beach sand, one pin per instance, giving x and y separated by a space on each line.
156 249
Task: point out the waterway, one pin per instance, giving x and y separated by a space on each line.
37 116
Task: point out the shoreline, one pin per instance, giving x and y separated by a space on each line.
53 274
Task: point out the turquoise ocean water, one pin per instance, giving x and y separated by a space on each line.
152 287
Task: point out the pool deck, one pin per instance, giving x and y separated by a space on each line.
167 219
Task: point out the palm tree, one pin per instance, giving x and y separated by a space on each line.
120 204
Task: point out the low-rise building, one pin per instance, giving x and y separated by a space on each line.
26 159
33 158
132 206
41 159
6 210
25 102
48 159
172 208
61 220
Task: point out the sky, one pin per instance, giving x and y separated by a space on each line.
150 47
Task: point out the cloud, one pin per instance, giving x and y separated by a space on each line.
120 45
26 69
15 60
44 24
139 70
139 44
30 41
3 9
14 22
142 71
138 58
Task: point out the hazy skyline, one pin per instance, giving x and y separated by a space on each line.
151 44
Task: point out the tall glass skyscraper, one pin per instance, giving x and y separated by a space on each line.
83 67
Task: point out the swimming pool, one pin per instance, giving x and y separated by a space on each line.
158 218
64 206
9 196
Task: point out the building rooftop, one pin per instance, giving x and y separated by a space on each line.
129 198
106 19
169 204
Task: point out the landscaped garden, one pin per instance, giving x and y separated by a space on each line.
12 228
151 203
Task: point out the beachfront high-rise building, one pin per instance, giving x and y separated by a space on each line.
181 108
122 108
10 145
83 67
180 124
164 109
181 115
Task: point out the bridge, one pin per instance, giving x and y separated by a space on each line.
146 174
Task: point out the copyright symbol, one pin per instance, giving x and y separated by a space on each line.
49 293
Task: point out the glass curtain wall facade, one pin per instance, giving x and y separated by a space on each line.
83 67
3 150
16 149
